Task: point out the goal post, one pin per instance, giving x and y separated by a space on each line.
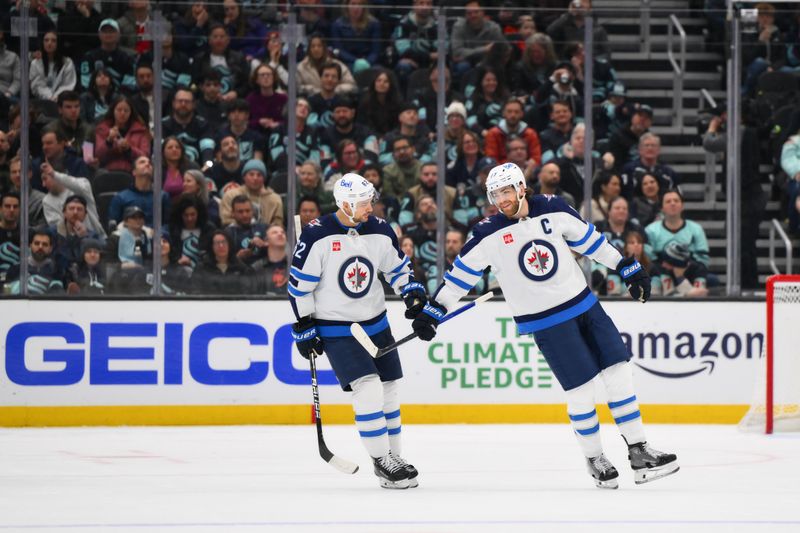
776 400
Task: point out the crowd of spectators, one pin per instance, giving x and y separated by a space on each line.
368 86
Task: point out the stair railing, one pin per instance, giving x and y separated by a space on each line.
776 227
644 28
678 70
710 184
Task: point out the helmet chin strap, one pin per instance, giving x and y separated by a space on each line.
350 217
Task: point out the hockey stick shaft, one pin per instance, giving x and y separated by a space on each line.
413 335
340 464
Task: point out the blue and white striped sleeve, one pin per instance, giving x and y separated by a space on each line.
466 272
304 276
582 237
395 265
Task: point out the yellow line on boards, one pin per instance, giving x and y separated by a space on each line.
177 415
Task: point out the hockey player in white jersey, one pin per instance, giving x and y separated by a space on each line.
333 283
529 247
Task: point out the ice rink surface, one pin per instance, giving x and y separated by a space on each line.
495 478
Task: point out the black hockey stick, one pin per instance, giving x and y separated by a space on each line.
363 339
342 465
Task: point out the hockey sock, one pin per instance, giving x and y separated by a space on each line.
391 410
583 416
622 401
370 420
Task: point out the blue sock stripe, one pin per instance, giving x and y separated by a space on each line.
369 416
393 414
627 418
589 431
584 416
376 433
626 401
394 431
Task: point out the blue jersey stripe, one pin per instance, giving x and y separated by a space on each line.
369 416
400 266
460 264
626 401
583 239
456 281
294 292
595 246
300 275
344 331
584 416
557 318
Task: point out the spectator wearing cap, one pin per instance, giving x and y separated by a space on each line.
228 168
623 142
306 139
562 84
571 27
135 245
77 28
87 276
512 125
456 125
548 181
231 64
426 99
609 113
110 56
471 37
681 275
251 143
411 128
210 105
324 101
414 40
140 195
267 105
673 227
404 171
62 186
311 72
70 231
380 104
44 276
267 205
345 127
121 137
647 163
557 134
356 36
538 60
192 130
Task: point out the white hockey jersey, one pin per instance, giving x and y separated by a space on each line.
334 273
533 262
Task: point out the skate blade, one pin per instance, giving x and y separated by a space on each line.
609 484
646 475
402 484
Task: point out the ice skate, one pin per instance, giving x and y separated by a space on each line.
391 473
649 464
412 472
604 474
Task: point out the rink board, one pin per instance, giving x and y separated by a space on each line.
228 362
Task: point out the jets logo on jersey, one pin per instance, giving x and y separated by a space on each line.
508 238
355 277
538 260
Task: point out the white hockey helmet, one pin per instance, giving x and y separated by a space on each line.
502 176
353 190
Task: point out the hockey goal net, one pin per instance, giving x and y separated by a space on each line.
776 402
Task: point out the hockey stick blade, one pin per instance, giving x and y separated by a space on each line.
363 339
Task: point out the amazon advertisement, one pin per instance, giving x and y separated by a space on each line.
229 353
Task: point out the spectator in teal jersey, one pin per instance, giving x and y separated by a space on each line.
673 227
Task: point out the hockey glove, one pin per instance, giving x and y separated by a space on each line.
425 323
414 296
634 276
307 338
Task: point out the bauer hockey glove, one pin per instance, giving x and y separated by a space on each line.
425 323
415 298
634 276
307 338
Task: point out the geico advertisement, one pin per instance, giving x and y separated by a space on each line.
228 353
